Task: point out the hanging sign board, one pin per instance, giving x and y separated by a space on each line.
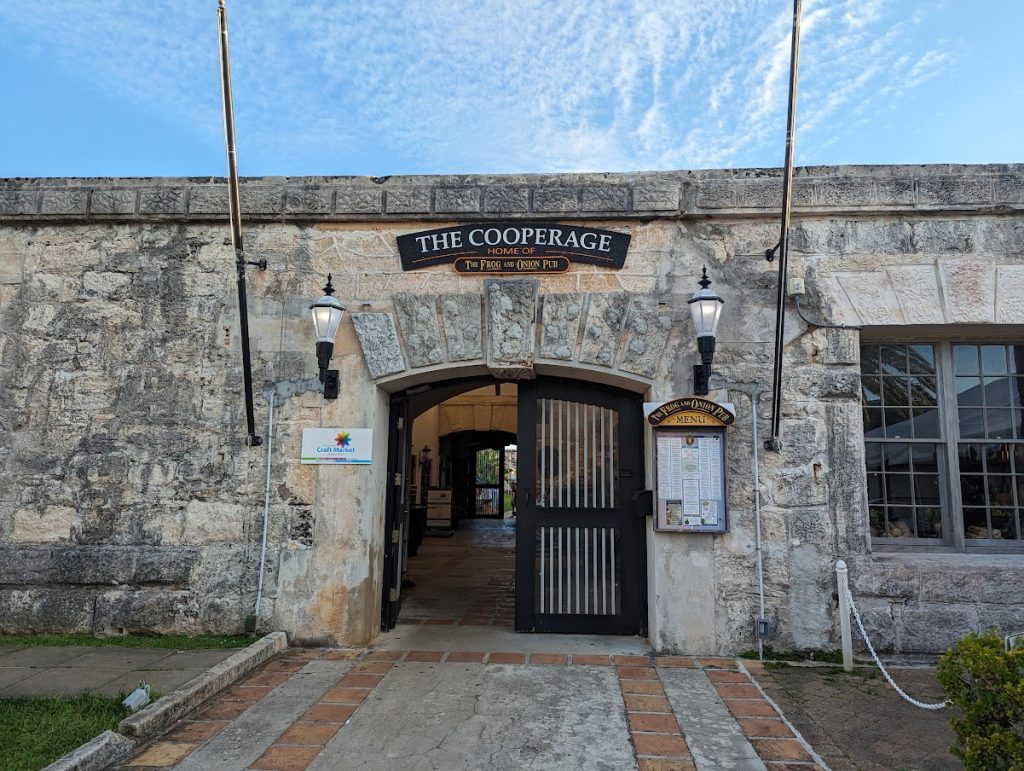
689 446
345 446
513 247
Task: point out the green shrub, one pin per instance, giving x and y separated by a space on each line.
986 682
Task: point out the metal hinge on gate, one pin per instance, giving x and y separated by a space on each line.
393 594
398 480
400 424
394 536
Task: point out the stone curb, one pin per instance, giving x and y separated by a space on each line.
170 708
103 751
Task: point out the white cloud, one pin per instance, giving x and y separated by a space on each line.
488 85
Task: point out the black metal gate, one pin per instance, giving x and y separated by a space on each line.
580 558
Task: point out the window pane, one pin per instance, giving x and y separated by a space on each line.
897 488
896 457
876 519
871 391
926 489
901 522
924 458
1000 491
873 456
873 422
975 523
929 523
972 488
968 391
897 423
1000 424
922 359
993 359
926 424
1017 390
923 391
1003 523
1017 359
894 359
965 360
970 457
997 458
869 359
875 491
997 391
895 392
972 423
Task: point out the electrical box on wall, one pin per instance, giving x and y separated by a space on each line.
689 448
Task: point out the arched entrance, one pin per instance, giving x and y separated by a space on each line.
579 541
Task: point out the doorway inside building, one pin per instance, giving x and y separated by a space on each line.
515 504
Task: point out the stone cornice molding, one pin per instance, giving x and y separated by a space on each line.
828 190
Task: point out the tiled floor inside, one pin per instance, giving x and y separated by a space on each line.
467 578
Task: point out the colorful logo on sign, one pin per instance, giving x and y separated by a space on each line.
344 439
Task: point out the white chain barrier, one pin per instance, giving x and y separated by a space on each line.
888 677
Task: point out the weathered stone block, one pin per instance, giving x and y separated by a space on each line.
352 200
408 200
379 341
896 191
969 291
19 202
166 199
839 192
1010 294
307 200
52 523
842 347
503 199
647 329
112 201
656 197
872 297
918 293
954 191
205 199
457 200
64 201
716 195
556 199
417 318
599 198
261 199
462 326
511 326
602 328
561 314
1009 188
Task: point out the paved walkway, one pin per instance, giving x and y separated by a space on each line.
468 709
58 671
465 579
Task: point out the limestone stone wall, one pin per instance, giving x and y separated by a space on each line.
130 501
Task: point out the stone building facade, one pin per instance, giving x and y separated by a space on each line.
129 500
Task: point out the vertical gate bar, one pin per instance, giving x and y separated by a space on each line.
577 566
561 453
560 569
551 459
611 587
612 447
597 580
540 439
593 428
568 453
586 460
604 449
604 570
551 570
576 468
542 570
586 570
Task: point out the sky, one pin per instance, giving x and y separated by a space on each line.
119 88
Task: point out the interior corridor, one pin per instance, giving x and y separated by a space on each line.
465 579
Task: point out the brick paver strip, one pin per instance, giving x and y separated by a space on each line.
372 667
750 708
632 661
638 673
506 658
764 728
635 703
653 722
196 730
302 732
362 681
466 657
675 662
328 713
223 710
246 693
660 745
162 754
272 679
425 656
590 660
726 676
780 749
718 663
549 658
737 691
651 687
341 654
384 655
666 764
286 758
654 730
353 696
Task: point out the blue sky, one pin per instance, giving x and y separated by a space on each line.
118 88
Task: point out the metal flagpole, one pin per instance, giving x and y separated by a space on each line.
235 214
774 442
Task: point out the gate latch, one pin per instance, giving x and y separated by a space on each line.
643 502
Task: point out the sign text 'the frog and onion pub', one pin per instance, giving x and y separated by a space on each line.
520 247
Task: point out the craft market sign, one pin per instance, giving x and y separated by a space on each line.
513 247
691 411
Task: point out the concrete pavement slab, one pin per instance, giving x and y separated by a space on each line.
714 737
162 680
44 656
489 638
120 658
195 659
59 682
470 716
11 675
242 742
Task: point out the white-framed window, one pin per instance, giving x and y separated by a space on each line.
944 443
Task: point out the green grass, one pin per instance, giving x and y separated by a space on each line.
770 654
34 732
174 641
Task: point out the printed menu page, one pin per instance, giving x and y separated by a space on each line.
690 480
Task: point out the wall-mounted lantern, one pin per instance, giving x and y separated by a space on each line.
327 314
705 310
